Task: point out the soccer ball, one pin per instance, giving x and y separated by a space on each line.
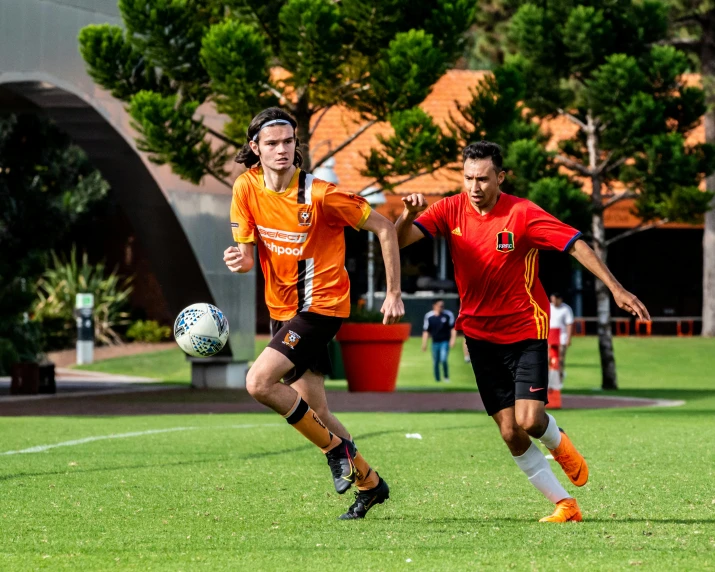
201 330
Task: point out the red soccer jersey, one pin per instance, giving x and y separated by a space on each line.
496 264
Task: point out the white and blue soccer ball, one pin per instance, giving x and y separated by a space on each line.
201 330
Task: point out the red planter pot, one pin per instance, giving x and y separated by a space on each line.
371 354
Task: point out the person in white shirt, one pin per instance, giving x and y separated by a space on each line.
562 318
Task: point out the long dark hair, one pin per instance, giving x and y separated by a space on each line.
246 156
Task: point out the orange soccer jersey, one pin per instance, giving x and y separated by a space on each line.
301 246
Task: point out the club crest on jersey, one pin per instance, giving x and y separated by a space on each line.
291 339
305 218
505 241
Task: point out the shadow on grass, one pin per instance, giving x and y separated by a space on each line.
527 520
688 395
223 458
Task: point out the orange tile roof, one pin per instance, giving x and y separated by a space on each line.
453 87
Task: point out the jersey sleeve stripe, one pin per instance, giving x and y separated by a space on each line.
428 315
301 188
423 229
539 314
308 189
570 242
362 220
246 239
308 285
300 285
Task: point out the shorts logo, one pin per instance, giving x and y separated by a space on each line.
505 241
291 339
305 218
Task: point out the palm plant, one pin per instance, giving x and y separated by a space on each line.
65 278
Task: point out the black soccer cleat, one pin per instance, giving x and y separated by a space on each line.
365 500
340 461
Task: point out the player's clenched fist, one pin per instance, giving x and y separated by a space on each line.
415 203
393 308
236 261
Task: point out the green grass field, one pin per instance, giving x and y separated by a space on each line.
240 492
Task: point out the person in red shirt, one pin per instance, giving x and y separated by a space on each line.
495 240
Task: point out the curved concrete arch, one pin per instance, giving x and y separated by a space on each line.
183 227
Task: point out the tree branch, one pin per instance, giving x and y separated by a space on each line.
685 44
689 19
401 181
617 164
574 166
636 230
279 95
604 163
320 117
345 143
351 83
223 138
618 198
219 178
573 119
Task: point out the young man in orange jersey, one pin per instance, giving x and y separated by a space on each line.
495 240
297 222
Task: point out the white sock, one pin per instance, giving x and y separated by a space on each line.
552 436
539 473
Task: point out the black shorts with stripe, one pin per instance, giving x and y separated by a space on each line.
304 341
507 372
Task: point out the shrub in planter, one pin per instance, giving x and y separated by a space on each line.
149 331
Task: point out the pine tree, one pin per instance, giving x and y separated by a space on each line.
692 28
378 58
603 67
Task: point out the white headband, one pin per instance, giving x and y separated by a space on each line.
269 123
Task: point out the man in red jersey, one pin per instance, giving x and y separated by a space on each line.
495 240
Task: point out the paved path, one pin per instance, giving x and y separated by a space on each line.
142 399
77 383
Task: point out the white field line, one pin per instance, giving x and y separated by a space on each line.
42 448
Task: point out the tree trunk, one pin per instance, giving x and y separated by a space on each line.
709 254
609 378
302 116
707 59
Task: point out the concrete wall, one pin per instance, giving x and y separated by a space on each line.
184 228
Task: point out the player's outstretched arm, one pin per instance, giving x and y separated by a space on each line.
393 308
407 233
239 259
625 300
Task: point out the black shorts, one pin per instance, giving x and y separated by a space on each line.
506 372
304 340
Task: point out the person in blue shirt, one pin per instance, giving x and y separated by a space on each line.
439 325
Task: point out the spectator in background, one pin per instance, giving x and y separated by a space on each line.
439 325
562 318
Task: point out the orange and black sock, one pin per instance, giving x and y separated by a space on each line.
366 477
310 426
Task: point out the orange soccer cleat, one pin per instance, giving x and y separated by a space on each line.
571 461
567 510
